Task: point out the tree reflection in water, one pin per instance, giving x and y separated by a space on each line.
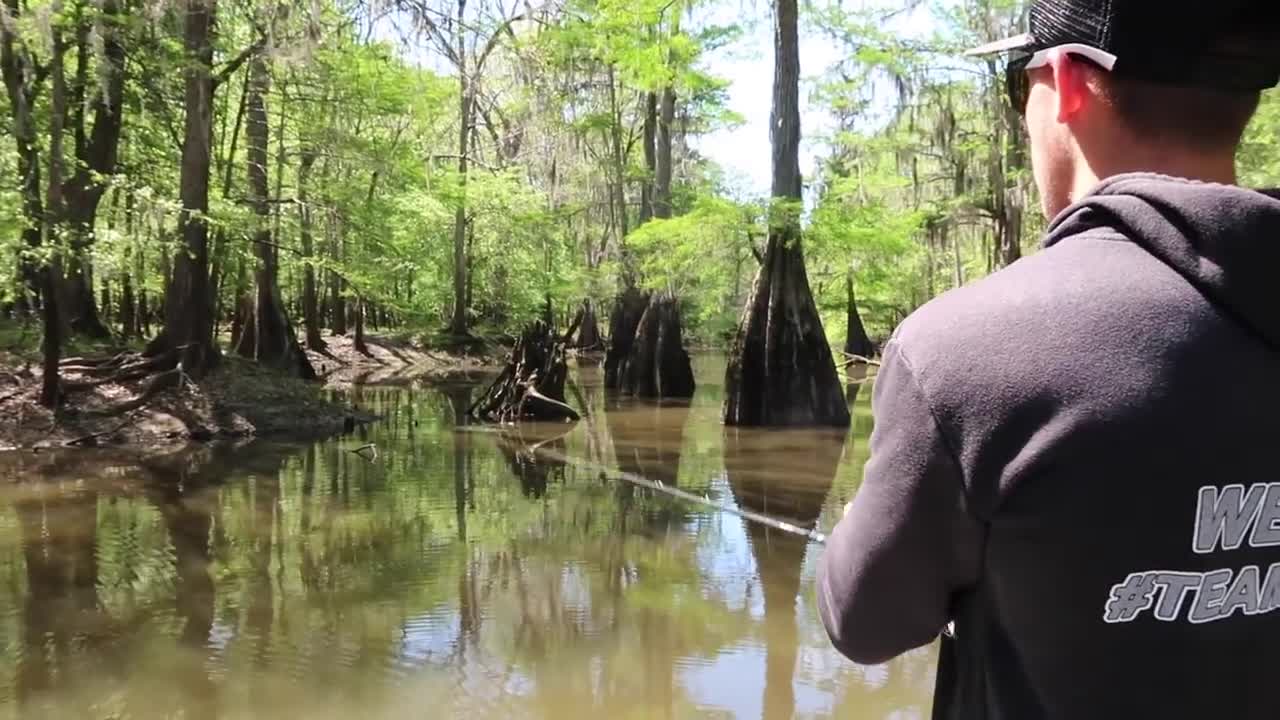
457 570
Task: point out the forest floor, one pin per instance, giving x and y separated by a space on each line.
237 400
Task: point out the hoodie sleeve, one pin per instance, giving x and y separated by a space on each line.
907 544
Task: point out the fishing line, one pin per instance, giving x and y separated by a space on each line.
606 472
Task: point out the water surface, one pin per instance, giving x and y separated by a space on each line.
459 573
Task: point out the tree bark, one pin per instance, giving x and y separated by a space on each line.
650 156
780 370
274 343
188 322
310 315
128 304
658 366
617 189
458 325
55 214
96 159
784 125
531 386
337 302
19 73
623 321
662 185
589 339
358 341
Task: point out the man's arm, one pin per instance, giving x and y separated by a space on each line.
907 544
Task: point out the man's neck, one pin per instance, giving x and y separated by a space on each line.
1202 168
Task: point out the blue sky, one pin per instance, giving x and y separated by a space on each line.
748 64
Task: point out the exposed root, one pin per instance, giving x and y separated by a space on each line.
154 386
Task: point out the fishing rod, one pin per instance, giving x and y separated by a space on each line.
606 472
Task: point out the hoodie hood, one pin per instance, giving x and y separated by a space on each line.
1224 240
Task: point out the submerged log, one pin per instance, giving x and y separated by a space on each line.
658 365
623 321
531 386
780 371
535 470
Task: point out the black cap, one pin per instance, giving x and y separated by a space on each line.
1225 44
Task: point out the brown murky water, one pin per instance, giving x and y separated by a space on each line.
457 574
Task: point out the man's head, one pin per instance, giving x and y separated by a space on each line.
1112 86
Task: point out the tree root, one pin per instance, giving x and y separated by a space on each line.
91 438
154 386
544 408
136 371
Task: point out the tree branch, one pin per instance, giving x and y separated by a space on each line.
234 64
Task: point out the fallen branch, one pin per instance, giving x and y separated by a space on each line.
68 363
857 360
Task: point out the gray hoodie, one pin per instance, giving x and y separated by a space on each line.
1073 460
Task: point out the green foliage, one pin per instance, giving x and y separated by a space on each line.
701 257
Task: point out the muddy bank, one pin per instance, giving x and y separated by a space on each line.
395 360
237 400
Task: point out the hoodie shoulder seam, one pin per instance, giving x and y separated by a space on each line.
947 441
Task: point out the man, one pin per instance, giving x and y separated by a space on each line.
1075 459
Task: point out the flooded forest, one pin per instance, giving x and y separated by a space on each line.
479 358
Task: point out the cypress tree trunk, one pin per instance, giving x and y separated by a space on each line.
662 188
337 303
358 342
650 155
188 307
589 339
274 343
19 73
310 316
128 311
780 369
96 159
531 386
856 342
623 321
658 365
466 117
55 211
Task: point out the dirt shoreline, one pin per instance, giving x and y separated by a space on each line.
238 400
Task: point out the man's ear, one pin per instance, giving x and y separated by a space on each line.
1071 82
